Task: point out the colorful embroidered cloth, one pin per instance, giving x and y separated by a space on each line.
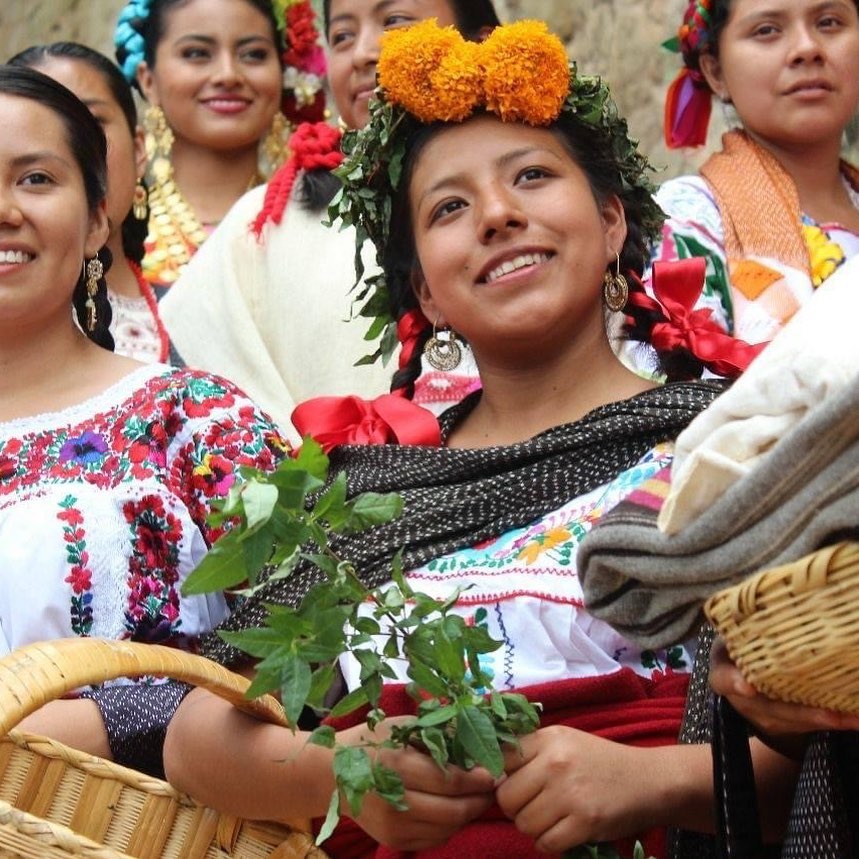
103 507
524 590
752 297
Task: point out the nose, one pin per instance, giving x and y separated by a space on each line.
806 46
10 210
366 50
227 71
499 213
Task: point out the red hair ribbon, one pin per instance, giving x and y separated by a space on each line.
388 419
687 110
409 327
313 146
677 286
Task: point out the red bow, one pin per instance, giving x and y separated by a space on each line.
388 419
677 286
409 327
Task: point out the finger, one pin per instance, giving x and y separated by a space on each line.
725 677
420 771
560 837
515 757
449 813
517 790
537 817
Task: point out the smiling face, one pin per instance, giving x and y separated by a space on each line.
512 244
216 75
789 67
353 41
126 157
46 228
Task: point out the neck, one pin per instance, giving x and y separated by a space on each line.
816 172
520 400
121 278
193 169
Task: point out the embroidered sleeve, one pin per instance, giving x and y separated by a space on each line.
694 229
224 431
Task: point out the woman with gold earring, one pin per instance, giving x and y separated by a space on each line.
135 325
212 72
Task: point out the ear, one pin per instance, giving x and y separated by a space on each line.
614 224
425 300
99 230
146 82
711 68
139 152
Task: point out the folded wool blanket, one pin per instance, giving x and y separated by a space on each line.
810 360
804 494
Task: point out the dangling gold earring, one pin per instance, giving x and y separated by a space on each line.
442 350
615 289
138 203
273 148
158 139
94 273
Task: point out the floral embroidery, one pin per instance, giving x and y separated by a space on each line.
80 576
158 450
88 448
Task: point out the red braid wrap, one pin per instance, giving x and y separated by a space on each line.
313 146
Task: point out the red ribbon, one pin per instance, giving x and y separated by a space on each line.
388 419
687 110
677 285
409 327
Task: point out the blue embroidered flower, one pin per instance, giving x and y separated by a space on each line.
87 449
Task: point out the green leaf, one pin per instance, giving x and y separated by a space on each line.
222 567
388 784
324 736
476 733
426 680
259 500
333 499
295 679
435 742
312 459
355 699
438 717
353 772
371 508
331 819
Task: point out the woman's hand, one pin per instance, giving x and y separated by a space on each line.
440 802
779 724
567 787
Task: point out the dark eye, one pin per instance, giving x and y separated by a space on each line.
448 207
765 30
194 53
398 20
256 55
531 174
37 177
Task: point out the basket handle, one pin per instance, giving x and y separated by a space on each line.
32 675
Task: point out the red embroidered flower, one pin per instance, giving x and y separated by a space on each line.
214 475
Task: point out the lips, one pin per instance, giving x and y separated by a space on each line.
810 86
227 105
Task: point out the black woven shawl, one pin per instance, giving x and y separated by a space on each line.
454 498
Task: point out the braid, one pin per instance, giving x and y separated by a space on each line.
134 233
100 335
403 381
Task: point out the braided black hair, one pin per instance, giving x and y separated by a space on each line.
100 334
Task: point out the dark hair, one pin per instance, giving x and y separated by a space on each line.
155 25
134 229
471 16
87 143
400 261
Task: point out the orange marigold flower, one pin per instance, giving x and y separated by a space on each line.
526 74
430 71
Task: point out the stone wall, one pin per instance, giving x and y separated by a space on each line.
618 39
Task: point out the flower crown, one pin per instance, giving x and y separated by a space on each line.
428 74
303 57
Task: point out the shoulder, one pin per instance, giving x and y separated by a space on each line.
685 196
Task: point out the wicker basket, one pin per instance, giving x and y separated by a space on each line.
58 802
793 631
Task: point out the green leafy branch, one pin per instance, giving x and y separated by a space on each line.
276 518
460 719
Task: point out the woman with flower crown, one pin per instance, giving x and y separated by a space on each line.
776 211
213 73
281 278
108 467
506 203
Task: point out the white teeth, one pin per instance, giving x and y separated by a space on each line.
9 257
516 263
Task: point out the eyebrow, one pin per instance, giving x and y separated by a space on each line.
350 16
457 178
211 40
41 155
780 12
